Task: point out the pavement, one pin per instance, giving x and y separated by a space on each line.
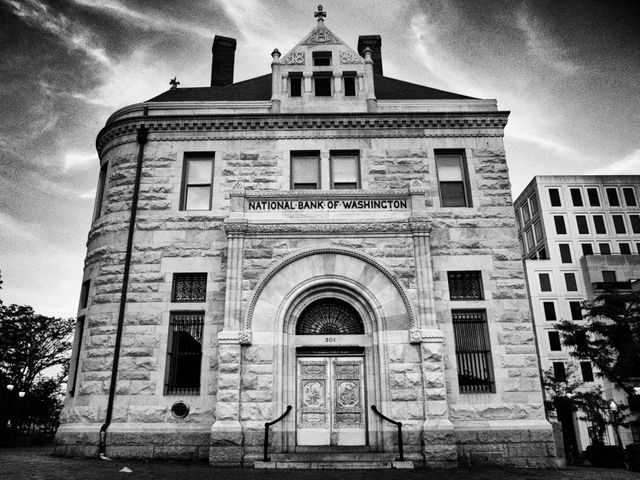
37 463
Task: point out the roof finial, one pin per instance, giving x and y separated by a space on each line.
320 14
174 83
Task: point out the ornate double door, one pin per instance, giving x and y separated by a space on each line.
331 405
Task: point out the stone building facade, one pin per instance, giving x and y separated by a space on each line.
323 237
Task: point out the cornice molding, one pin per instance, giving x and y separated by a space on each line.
399 227
270 126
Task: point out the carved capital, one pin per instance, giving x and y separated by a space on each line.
421 225
244 337
235 228
426 335
415 335
417 187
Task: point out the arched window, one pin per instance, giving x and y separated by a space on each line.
329 316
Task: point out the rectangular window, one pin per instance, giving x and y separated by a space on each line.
321 59
184 353
542 254
587 249
198 182
100 191
598 222
570 281
587 371
465 285
576 310
612 196
473 351
605 248
576 197
554 197
295 84
526 213
638 247
594 198
554 341
84 293
635 431
322 83
559 372
305 171
618 224
189 287
349 84
561 228
537 230
529 236
76 358
629 197
452 178
549 311
345 171
625 248
583 227
609 276
565 252
533 201
545 282
635 223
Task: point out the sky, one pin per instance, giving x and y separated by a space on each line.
568 70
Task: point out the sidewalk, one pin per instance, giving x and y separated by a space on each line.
36 463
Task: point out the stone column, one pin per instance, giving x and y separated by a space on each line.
372 102
226 433
438 432
275 81
337 83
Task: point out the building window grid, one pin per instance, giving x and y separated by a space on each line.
571 282
565 253
554 197
465 285
598 223
561 228
189 287
576 197
612 197
634 220
545 282
583 226
549 311
594 197
554 341
618 224
629 197
473 351
184 353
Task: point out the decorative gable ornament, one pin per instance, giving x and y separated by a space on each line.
293 58
321 35
350 57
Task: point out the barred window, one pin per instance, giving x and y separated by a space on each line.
189 287
465 285
184 353
473 351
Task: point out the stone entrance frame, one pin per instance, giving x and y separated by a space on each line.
299 280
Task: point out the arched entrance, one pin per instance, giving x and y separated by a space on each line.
329 306
330 387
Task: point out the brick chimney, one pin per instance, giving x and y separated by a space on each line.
374 42
224 53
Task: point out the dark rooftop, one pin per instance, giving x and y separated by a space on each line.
259 88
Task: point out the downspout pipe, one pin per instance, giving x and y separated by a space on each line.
141 138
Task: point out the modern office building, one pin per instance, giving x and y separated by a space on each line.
322 237
580 236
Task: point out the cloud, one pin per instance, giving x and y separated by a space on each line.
542 45
544 142
628 165
12 228
76 159
89 194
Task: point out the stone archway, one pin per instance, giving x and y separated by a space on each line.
329 275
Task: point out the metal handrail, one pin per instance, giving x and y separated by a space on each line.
399 425
266 432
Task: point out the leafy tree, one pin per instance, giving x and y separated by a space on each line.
598 414
558 391
610 337
31 343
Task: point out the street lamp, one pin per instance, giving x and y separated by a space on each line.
613 406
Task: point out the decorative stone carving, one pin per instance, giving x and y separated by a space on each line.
235 227
420 225
415 335
346 228
245 337
417 187
294 58
321 35
350 57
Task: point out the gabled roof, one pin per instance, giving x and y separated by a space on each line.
259 88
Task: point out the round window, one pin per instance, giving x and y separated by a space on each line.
180 409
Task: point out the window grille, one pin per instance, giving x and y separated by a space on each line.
473 351
465 286
189 287
184 353
329 317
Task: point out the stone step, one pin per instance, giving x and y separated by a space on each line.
334 457
331 465
333 460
